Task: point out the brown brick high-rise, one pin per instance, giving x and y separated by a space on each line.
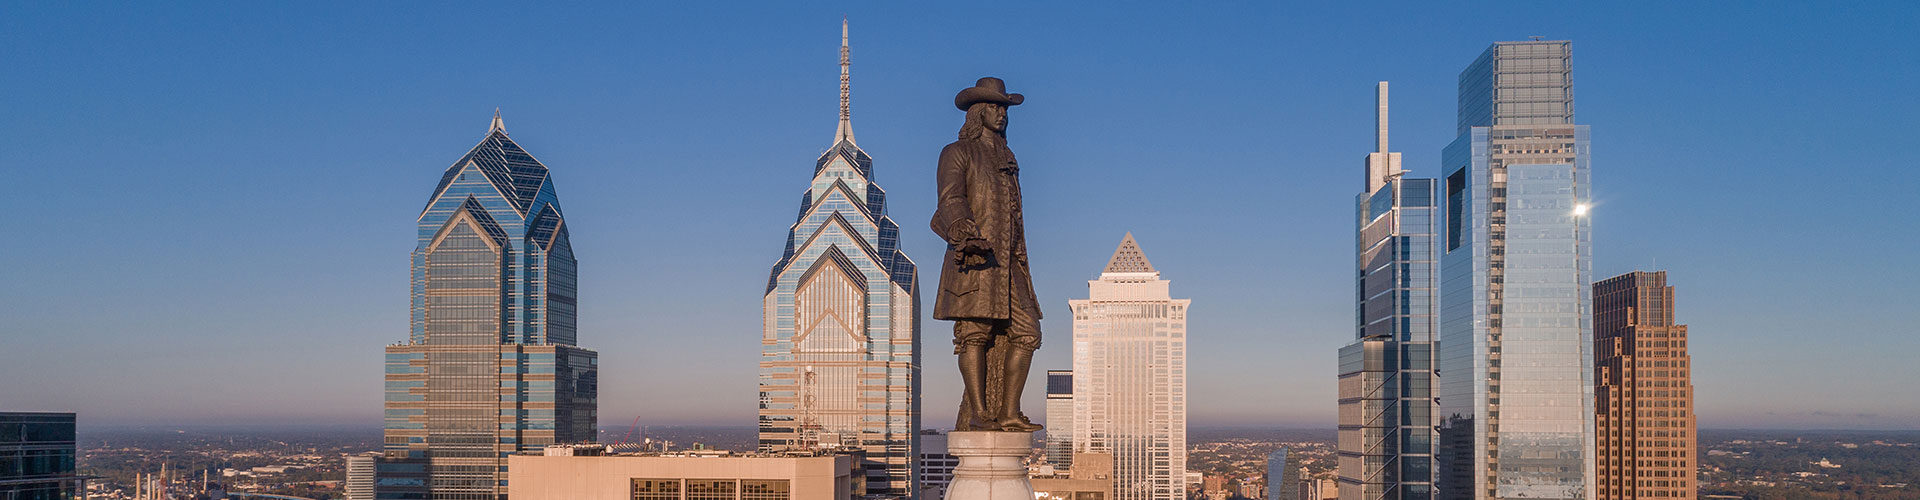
1643 412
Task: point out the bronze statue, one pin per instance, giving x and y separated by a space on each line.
985 287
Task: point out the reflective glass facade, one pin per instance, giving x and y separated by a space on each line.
1395 247
490 367
1387 378
1386 420
1516 336
37 457
1516 339
1060 419
840 345
1130 377
1518 83
1283 479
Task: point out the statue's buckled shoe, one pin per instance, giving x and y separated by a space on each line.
1018 424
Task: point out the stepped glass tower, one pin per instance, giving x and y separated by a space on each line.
490 367
1130 377
1386 374
1516 335
840 345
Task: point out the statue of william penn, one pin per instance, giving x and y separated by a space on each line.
985 287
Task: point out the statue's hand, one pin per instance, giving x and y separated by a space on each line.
976 246
964 230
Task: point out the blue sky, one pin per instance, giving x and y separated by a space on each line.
213 204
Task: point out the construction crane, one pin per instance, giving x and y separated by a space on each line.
628 439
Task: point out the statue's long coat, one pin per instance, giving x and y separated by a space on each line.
980 184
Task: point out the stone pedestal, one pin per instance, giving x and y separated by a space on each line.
990 465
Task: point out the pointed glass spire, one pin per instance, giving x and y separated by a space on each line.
846 114
513 171
1128 258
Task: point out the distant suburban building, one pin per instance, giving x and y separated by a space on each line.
1646 444
1386 384
839 364
571 473
1215 488
1283 477
1090 478
1516 336
1060 418
1324 488
1130 376
490 366
37 457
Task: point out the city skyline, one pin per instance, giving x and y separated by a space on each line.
180 138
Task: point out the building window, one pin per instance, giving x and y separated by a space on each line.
710 489
765 489
1456 207
656 489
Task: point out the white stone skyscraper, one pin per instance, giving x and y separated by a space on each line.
839 348
1130 377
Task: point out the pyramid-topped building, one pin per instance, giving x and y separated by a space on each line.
1129 377
489 367
839 361
1128 258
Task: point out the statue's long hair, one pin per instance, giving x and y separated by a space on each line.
976 126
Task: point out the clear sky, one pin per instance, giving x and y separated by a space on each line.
213 204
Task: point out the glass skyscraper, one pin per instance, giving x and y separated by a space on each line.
840 345
1516 336
1387 399
1283 479
37 453
490 367
1060 419
1130 377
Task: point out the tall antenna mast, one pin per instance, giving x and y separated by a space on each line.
846 111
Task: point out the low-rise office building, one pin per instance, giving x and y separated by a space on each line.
1090 478
574 472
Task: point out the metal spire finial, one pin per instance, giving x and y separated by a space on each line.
846 113
497 126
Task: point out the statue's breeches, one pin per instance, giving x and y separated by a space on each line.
1022 331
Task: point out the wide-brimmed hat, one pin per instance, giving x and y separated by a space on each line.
988 89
